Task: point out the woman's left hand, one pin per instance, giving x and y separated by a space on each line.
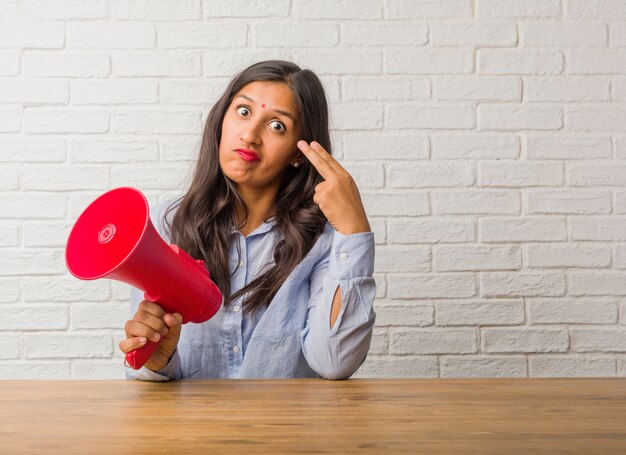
337 196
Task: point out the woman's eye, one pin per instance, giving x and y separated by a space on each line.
278 126
243 111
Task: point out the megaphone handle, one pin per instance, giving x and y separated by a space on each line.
137 358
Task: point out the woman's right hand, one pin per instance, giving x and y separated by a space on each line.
151 323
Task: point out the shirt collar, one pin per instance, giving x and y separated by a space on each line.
262 229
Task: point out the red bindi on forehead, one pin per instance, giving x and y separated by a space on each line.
263 105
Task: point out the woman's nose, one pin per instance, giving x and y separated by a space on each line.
250 133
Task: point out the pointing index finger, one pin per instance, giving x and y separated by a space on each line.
319 163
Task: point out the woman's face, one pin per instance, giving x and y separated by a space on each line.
259 135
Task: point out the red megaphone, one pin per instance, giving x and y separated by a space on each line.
114 238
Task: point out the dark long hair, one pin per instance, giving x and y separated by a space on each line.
206 216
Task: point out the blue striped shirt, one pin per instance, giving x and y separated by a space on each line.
292 337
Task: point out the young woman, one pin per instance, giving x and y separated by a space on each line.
283 232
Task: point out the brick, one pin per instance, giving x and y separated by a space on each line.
157 121
519 173
9 179
10 119
619 88
399 367
10 10
94 370
403 313
9 290
22 370
427 61
340 62
588 174
577 202
99 315
245 8
32 205
25 150
371 34
595 118
226 62
21 318
384 146
514 61
339 9
608 229
599 340
444 285
432 230
156 10
477 146
64 9
563 34
55 178
211 34
524 340
543 229
179 149
477 88
403 259
106 152
67 346
187 91
49 234
40 91
620 257
559 256
162 64
9 235
64 289
356 116
366 175
473 366
459 258
114 91
519 117
597 283
476 202
9 63
9 348
149 177
572 311
597 9
434 341
474 33
427 117
110 35
559 366
620 147
514 8
384 88
569 88
423 9
31 261
617 34
32 35
66 64
522 284
568 148
595 62
480 312
431 174
404 204
65 120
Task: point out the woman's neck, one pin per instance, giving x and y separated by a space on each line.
260 207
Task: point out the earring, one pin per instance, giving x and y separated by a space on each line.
296 164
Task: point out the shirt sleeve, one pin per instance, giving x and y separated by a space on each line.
337 352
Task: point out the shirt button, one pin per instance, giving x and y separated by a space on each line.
236 308
343 256
240 264
235 349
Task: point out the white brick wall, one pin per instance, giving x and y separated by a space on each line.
488 138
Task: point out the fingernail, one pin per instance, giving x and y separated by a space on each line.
142 340
156 337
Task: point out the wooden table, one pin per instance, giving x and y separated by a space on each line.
502 416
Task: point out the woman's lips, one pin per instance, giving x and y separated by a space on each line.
247 155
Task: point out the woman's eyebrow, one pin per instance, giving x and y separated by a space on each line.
278 111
